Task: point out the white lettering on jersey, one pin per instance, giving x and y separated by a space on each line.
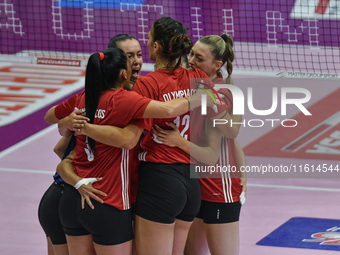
178 94
89 152
100 113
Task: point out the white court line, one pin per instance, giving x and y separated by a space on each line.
291 187
26 171
28 140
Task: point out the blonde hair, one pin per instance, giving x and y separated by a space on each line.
222 49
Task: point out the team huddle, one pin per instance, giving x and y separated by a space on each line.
124 185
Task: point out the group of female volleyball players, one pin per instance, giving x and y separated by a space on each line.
124 184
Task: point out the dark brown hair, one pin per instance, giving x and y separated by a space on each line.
173 37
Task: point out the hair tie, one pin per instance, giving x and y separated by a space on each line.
180 37
101 56
224 37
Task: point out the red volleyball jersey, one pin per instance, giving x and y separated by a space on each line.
134 165
161 86
66 108
116 108
223 186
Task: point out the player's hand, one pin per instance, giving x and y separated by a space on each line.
83 129
171 138
76 120
87 191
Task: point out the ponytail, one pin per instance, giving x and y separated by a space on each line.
228 55
102 73
93 81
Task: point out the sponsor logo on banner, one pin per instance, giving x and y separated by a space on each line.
58 62
307 75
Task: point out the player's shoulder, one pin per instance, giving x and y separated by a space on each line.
111 99
78 95
219 80
149 82
151 76
195 72
124 94
148 79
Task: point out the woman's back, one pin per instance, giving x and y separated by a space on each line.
116 108
159 85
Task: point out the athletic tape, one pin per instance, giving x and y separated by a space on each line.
85 181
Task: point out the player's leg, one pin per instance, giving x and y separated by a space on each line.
80 245
124 248
221 224
56 249
60 249
180 236
49 219
161 197
223 238
111 228
153 237
196 242
186 218
79 240
50 250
